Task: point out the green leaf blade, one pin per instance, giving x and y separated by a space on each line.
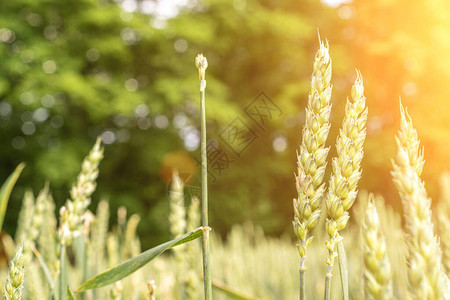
132 265
6 189
70 295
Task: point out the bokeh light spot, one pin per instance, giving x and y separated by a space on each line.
48 100
279 143
26 116
5 109
108 137
49 66
345 12
28 128
92 54
409 89
26 98
40 114
180 45
34 19
50 32
57 121
129 36
7 36
180 120
161 121
18 143
143 123
131 85
141 111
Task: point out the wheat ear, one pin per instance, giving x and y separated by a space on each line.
342 190
311 158
80 194
177 220
377 272
14 282
425 273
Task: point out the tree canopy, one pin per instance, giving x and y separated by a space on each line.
74 70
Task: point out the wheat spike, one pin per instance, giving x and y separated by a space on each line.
342 190
377 272
312 155
14 282
72 213
425 273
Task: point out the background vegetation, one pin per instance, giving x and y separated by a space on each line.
71 71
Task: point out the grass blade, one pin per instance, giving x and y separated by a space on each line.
230 292
132 265
6 189
44 267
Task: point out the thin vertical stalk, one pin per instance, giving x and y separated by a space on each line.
84 261
302 278
328 282
202 64
343 268
62 281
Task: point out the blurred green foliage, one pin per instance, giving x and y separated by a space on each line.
73 70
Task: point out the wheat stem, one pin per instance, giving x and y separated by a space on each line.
62 266
311 158
202 64
192 281
343 269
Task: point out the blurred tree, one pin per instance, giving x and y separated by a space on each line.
71 71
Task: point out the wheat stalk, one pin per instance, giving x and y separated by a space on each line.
377 272
201 63
71 215
311 159
342 190
425 273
